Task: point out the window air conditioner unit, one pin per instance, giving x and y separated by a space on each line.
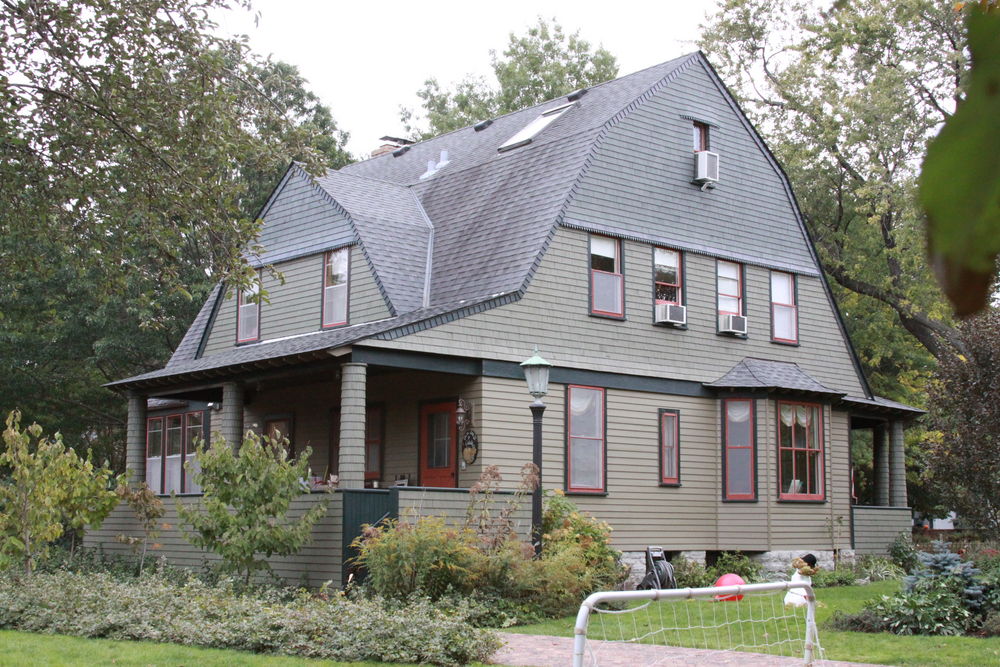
668 313
706 167
734 324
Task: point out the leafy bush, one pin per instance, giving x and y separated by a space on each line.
903 553
933 608
689 574
738 563
991 626
840 576
877 568
330 627
949 570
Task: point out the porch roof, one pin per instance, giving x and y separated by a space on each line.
881 405
757 374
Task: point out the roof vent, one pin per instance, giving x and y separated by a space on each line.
400 151
434 167
482 125
577 94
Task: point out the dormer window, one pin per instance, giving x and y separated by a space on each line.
534 127
248 314
700 136
336 270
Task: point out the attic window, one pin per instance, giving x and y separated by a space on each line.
534 127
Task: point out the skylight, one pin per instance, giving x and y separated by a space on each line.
529 131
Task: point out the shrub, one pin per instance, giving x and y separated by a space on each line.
877 568
991 626
689 574
933 608
738 563
841 576
942 569
322 626
903 553
566 528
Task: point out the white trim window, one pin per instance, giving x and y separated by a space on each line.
730 287
336 281
784 310
667 276
607 284
248 314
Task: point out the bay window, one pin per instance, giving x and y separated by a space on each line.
607 285
738 450
784 312
800 451
585 440
336 272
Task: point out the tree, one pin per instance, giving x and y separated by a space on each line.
49 488
848 98
148 509
538 66
964 464
244 509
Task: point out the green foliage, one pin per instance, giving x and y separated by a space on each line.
933 609
965 412
903 553
243 513
538 66
943 567
49 487
148 509
963 214
839 576
689 574
314 626
877 568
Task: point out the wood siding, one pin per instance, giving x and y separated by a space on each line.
294 307
693 515
319 561
875 528
554 315
453 507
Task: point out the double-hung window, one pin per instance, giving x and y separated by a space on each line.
700 136
800 451
607 285
670 447
730 288
172 441
738 450
585 440
248 314
784 311
667 276
336 270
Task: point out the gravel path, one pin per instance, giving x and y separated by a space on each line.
548 651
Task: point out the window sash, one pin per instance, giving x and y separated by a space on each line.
667 280
607 285
784 310
170 444
154 453
739 451
194 431
248 315
373 443
800 451
670 448
585 437
699 136
336 279
729 288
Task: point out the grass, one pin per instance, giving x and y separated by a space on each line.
26 648
880 648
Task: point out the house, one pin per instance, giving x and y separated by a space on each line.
642 235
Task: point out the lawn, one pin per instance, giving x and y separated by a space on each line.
848 646
26 648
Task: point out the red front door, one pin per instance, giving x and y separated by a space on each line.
438 435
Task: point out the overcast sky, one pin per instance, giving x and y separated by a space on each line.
365 59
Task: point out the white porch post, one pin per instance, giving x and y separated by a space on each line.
880 464
135 438
353 388
898 476
231 418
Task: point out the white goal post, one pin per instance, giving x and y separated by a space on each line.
771 623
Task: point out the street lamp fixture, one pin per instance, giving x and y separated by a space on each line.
536 372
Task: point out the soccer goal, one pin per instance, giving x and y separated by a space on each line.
663 626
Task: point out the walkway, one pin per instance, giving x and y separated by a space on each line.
548 651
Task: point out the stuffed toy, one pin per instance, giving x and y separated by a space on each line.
805 568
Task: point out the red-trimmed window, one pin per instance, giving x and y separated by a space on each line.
585 439
784 311
667 276
800 451
171 442
373 443
670 447
738 441
700 136
730 288
248 314
336 276
607 285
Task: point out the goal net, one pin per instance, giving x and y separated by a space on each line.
663 626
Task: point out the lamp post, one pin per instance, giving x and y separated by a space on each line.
536 372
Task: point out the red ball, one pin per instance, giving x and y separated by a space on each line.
729 580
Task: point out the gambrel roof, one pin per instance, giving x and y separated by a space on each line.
470 235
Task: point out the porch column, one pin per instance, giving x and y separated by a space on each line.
898 475
231 418
880 465
353 386
135 438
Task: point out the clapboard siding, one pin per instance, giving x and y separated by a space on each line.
692 516
453 507
317 562
554 315
295 298
875 528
